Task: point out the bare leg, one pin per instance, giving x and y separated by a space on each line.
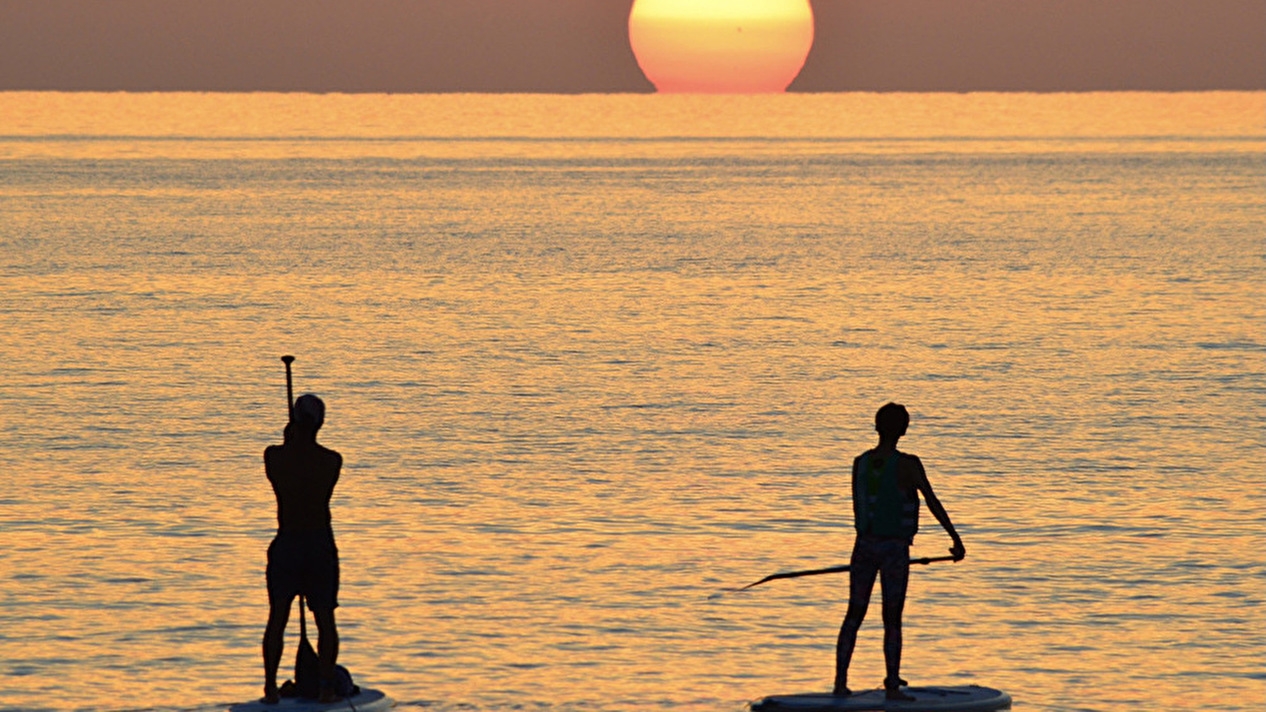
861 581
327 651
894 579
274 641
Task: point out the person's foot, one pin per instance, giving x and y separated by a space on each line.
892 691
841 691
271 696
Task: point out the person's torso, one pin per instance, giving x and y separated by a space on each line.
303 479
885 503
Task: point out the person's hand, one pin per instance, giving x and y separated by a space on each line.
958 551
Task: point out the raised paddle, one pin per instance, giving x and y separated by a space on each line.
830 570
307 659
290 389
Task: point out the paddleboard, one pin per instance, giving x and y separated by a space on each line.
366 701
964 698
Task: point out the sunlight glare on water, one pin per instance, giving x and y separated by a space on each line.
592 359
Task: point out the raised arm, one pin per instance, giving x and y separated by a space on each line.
938 510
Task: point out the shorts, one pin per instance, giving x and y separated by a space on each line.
886 557
303 563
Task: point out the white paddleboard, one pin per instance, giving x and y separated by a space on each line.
963 698
366 701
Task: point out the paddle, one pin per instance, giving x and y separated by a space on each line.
830 570
290 389
307 659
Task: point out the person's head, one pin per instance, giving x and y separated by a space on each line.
891 421
309 414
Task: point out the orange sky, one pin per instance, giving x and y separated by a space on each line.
582 45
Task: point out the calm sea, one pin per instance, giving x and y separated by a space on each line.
592 359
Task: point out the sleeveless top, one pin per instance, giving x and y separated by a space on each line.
879 507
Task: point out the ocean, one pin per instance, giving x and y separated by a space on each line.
592 359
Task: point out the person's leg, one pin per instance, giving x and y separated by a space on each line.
283 585
894 578
274 640
861 581
322 586
327 651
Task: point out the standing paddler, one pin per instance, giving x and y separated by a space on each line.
302 559
886 487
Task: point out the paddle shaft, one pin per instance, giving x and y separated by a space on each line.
832 570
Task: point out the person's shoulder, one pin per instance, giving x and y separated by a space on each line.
910 460
911 465
331 456
272 452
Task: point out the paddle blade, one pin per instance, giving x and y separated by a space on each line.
307 671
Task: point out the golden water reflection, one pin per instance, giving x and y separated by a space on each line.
582 389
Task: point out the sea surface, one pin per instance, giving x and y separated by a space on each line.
591 360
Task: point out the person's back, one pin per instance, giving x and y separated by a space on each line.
886 493
303 475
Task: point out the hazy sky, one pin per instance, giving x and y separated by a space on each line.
582 45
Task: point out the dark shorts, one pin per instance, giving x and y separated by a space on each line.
890 559
304 563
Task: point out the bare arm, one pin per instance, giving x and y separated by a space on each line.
938 510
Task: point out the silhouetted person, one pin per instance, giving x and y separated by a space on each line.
302 559
886 487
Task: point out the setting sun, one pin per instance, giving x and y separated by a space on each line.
721 46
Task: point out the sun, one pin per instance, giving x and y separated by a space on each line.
721 46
